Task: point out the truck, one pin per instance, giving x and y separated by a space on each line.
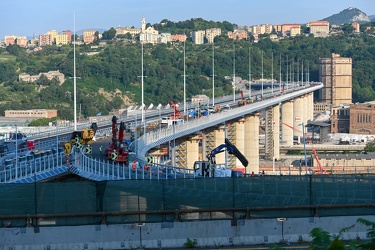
209 168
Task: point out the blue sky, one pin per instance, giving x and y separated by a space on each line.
25 17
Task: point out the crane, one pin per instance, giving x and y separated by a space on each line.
177 112
312 145
231 150
211 169
118 148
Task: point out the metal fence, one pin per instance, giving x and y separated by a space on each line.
132 201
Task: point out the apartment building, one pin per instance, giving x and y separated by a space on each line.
53 34
179 37
261 29
291 30
238 34
18 40
69 34
277 28
88 36
21 41
61 39
32 113
212 33
10 40
319 28
198 36
335 73
45 40
356 27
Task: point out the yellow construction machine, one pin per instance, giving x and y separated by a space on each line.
81 138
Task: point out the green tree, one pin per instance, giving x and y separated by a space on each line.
41 122
347 29
109 34
370 233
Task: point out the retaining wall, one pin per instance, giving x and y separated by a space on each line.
175 234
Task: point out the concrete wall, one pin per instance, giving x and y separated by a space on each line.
175 234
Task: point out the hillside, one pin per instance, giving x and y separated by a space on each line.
348 15
110 78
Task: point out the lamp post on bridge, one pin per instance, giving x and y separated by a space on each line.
16 150
304 144
57 142
234 73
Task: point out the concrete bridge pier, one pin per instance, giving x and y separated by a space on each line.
310 106
213 139
251 135
287 118
192 150
298 115
239 139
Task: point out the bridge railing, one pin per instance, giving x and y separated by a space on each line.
102 169
28 168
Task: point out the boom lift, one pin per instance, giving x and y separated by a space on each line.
177 112
312 146
243 100
118 148
211 169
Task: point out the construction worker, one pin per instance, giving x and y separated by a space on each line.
134 165
101 149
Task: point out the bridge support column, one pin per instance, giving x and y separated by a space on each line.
192 151
305 109
287 118
240 139
251 151
276 132
298 115
310 106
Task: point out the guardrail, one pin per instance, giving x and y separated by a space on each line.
33 168
99 170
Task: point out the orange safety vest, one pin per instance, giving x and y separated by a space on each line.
134 165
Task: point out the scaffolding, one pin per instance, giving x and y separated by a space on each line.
231 135
181 153
269 134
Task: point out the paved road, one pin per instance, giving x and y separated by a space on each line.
104 142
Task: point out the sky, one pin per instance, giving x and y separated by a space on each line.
25 17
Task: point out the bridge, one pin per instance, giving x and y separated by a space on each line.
241 124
